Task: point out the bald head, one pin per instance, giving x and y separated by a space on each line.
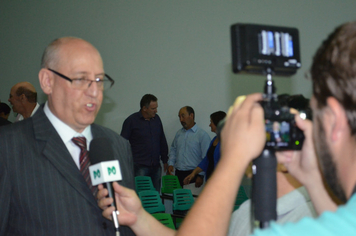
23 98
66 60
27 89
53 53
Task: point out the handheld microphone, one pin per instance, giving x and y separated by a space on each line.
104 170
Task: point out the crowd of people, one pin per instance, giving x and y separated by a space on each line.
44 184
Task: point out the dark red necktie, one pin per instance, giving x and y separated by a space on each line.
81 142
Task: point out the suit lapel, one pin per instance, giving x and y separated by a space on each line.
57 153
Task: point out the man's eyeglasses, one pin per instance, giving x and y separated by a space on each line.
84 83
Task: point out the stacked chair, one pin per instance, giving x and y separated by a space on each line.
169 183
165 219
143 183
183 200
150 198
151 201
240 198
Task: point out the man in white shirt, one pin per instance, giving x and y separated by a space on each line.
43 189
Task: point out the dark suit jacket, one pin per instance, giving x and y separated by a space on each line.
4 122
42 192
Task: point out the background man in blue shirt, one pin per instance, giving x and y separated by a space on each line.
188 147
145 132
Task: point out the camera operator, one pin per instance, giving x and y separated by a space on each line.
333 133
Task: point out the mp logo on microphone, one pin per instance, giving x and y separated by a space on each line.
104 172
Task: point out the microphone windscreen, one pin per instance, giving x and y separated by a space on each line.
100 150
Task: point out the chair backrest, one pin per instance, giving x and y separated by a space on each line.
182 199
151 201
170 183
165 218
143 183
240 198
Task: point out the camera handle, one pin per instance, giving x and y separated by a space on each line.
264 189
264 185
269 89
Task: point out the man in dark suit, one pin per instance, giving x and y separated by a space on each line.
42 189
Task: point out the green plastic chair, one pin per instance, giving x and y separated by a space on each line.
151 201
143 183
240 198
169 183
165 219
182 201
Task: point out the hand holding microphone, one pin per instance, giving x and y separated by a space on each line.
104 170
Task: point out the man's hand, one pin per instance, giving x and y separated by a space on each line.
170 170
188 179
131 212
199 181
243 135
303 165
128 204
165 167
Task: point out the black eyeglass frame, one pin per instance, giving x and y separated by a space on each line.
91 81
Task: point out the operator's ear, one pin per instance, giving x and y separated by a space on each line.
46 79
336 119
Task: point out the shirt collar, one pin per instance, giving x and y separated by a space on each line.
194 128
35 109
65 132
141 116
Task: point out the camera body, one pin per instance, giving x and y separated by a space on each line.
282 132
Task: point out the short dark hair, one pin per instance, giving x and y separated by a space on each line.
147 99
333 71
216 117
4 108
30 95
190 110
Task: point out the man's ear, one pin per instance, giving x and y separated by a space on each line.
46 80
336 119
23 98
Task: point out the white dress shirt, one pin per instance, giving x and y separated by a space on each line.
20 117
67 133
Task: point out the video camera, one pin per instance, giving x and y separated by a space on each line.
270 50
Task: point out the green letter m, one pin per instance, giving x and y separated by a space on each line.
111 170
96 174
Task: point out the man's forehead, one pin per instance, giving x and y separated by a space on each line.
182 111
81 62
13 89
76 48
153 104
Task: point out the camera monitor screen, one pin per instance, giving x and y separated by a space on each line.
277 133
275 43
282 135
261 48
